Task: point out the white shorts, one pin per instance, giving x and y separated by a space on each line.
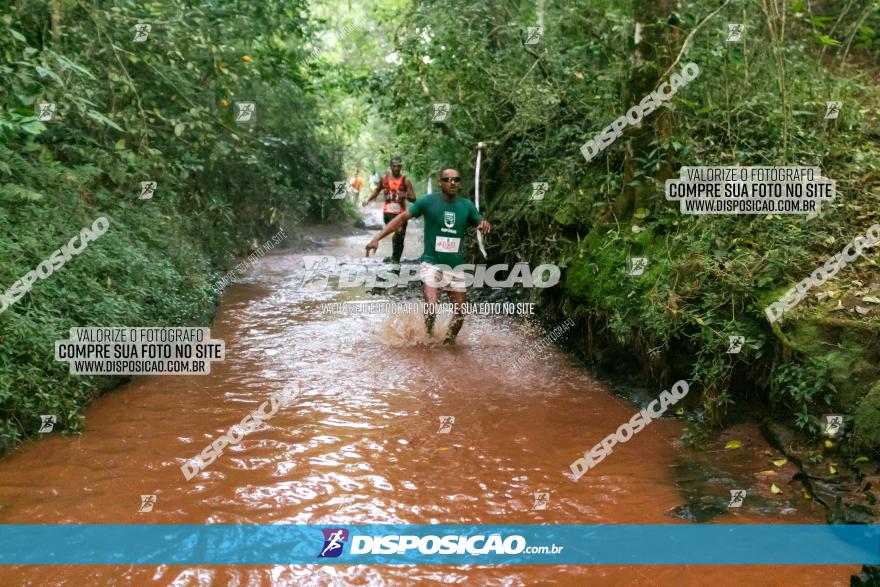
445 280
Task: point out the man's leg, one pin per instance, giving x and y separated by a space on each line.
432 281
458 299
388 218
431 311
397 243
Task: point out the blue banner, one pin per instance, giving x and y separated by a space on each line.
614 544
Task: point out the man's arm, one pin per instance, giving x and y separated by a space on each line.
389 228
476 219
410 192
375 193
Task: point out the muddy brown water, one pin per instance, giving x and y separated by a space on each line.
360 445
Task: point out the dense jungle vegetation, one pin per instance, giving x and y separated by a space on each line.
758 102
159 110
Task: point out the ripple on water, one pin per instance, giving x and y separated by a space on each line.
360 444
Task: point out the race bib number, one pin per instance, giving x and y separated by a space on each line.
446 244
392 208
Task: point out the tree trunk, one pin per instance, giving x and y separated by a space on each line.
56 20
653 45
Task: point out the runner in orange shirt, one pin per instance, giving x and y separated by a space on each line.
356 185
397 190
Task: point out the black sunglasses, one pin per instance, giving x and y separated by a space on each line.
452 179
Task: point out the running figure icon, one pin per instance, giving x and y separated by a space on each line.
334 539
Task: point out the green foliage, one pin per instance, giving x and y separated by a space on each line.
127 112
801 387
754 103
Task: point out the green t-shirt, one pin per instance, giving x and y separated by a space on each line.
445 225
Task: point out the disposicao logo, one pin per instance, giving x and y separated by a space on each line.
334 540
412 546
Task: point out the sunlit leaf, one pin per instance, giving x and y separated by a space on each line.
103 119
46 72
33 127
826 40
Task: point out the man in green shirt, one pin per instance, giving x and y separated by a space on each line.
447 217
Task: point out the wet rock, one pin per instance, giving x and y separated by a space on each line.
700 510
706 491
847 493
638 395
706 478
867 420
842 512
869 577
